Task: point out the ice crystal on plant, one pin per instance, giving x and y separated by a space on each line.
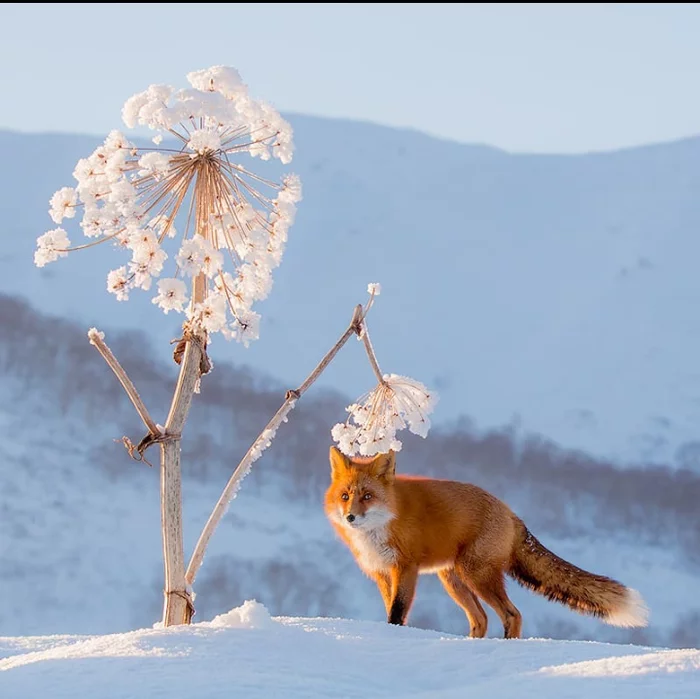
398 402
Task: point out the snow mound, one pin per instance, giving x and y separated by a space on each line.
670 661
250 615
318 658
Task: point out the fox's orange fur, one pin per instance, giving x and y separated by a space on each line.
398 527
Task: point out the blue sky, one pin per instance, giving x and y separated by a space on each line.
567 77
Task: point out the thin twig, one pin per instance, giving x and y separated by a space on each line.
97 339
260 444
369 304
370 353
353 328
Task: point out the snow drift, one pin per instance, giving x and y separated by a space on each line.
245 653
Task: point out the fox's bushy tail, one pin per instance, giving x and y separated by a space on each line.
537 568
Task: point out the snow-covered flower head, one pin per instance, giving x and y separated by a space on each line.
50 246
229 216
396 403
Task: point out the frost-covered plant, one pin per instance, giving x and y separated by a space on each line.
188 202
234 221
396 403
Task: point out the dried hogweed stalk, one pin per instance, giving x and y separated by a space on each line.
229 216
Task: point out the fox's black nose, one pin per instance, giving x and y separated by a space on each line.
350 518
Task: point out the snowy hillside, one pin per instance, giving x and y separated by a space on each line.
79 522
246 653
556 292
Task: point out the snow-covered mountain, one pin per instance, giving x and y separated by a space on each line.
559 292
79 522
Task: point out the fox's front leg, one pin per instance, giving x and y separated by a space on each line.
403 590
384 584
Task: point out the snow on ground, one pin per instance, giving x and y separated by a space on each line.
246 653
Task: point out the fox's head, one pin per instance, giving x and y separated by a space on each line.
361 494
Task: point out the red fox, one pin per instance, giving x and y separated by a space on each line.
398 527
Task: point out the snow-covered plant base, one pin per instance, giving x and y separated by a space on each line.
232 218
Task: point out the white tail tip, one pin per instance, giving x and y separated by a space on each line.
632 612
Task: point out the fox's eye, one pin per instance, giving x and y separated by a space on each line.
344 496
367 496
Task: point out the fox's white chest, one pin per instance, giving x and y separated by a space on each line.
373 550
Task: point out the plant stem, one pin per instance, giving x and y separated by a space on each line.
258 445
370 353
177 608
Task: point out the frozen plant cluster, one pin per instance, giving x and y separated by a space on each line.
192 179
396 403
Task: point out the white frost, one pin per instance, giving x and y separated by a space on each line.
395 404
50 246
118 283
95 334
204 140
63 204
172 295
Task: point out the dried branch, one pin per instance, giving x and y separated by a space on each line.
261 443
370 353
372 293
97 340
353 328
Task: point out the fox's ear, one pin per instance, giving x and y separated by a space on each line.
384 466
339 462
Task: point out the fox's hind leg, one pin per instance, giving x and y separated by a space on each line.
467 600
488 583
